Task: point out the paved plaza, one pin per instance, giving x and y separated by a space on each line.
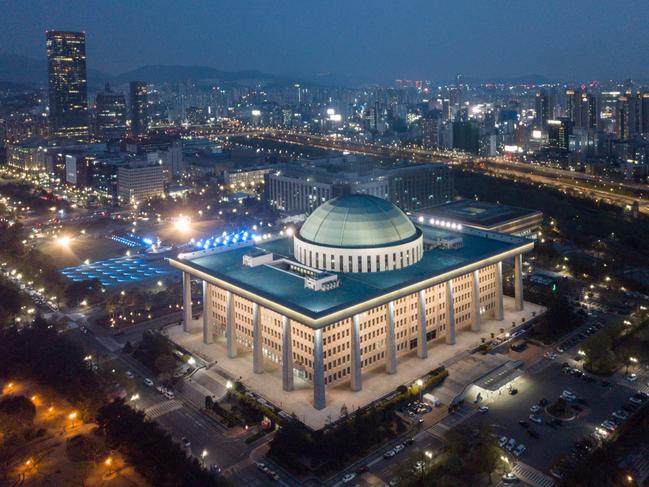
376 383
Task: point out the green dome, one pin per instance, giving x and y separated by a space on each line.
358 220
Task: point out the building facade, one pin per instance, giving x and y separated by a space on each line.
302 188
110 114
66 74
137 183
327 326
138 100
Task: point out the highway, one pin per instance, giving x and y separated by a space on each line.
621 193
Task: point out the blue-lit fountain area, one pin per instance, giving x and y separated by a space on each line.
120 271
226 240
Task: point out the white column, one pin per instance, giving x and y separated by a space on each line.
355 354
257 341
422 343
207 332
187 301
518 282
319 400
230 330
390 342
450 313
500 308
287 355
476 321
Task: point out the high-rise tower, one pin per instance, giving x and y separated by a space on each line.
66 72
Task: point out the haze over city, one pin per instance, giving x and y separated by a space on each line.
351 41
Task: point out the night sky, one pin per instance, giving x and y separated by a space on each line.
376 40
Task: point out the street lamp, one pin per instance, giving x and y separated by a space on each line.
420 385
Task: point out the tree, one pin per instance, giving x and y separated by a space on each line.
17 414
600 357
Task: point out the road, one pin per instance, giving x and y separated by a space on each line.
622 193
180 416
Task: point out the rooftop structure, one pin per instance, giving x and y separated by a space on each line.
484 215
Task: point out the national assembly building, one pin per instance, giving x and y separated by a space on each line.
357 288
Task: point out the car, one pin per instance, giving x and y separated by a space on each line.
510 478
362 469
535 418
632 377
621 414
609 426
389 454
535 408
418 467
556 473
272 475
524 423
519 450
511 444
148 382
130 374
543 402
169 395
161 389
262 466
185 442
635 399
513 391
83 329
398 449
502 441
568 396
348 477
483 409
408 442
214 468
533 433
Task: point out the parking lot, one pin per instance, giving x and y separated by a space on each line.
596 402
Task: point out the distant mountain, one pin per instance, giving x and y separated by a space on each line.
28 71
33 72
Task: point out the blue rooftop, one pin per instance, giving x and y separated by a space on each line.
288 290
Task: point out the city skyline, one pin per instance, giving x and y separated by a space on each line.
354 44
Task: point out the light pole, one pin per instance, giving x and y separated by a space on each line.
420 385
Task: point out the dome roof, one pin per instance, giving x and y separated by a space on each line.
358 220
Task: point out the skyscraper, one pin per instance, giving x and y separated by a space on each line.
644 117
66 70
542 109
573 111
138 104
559 132
111 114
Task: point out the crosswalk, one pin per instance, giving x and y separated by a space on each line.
532 476
440 428
162 408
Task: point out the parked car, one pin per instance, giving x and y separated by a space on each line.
510 478
519 450
398 448
348 477
535 408
389 454
511 444
148 382
632 377
621 415
483 409
502 441
535 418
129 374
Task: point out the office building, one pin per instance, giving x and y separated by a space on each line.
301 188
486 216
66 74
357 289
110 114
138 101
559 132
543 113
139 181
